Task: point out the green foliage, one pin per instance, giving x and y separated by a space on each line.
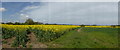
49 35
17 23
7 33
29 21
88 38
4 42
9 23
113 26
82 25
21 38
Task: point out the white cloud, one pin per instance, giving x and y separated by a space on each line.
76 13
24 15
31 7
27 16
2 9
28 8
21 14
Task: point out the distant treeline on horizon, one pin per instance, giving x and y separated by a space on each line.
39 23
31 22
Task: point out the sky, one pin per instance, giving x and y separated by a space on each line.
101 13
60 0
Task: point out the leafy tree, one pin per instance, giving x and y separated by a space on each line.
94 25
29 21
17 23
113 26
38 23
9 23
2 23
82 25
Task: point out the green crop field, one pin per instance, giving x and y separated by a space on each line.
87 38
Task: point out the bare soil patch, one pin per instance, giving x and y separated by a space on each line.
33 43
79 30
9 42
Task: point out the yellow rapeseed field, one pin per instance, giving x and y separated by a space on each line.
55 28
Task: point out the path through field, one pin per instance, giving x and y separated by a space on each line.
79 30
33 43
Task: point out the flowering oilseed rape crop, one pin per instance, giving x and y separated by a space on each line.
43 32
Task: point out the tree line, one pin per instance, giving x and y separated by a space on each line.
27 22
31 22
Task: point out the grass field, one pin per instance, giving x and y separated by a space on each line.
88 38
59 36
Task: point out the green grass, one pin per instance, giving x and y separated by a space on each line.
87 38
0 36
4 42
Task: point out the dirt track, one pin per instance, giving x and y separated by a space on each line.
33 43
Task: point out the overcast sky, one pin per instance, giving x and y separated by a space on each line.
59 0
61 12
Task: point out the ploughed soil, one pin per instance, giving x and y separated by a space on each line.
8 43
33 43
